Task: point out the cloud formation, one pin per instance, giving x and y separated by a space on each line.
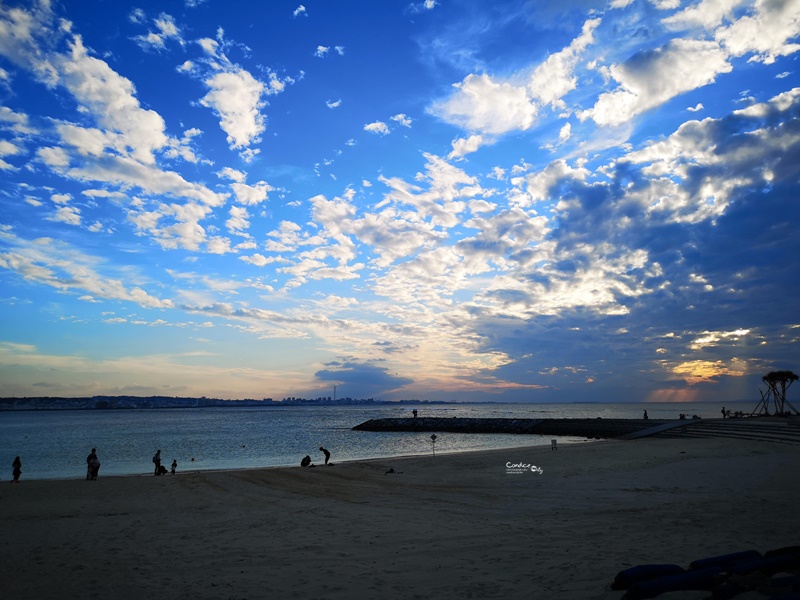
539 202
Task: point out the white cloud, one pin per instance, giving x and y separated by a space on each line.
166 29
125 172
235 94
7 149
538 184
251 194
236 98
137 15
232 174
565 133
486 106
650 79
321 51
110 99
57 264
66 214
378 127
258 260
494 106
401 118
209 46
707 14
334 104
238 223
249 154
53 157
696 108
555 77
767 32
424 5
17 122
463 146
300 11
497 173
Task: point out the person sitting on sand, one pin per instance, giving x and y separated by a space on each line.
306 461
16 467
326 453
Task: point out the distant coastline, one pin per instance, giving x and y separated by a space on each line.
162 402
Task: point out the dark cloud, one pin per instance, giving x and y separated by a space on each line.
361 380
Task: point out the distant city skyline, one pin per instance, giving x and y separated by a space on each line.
451 200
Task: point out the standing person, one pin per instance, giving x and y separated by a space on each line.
90 464
157 462
644 416
326 453
94 465
16 467
723 412
174 465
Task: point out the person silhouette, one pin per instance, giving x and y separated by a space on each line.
157 462
326 453
16 471
90 465
644 416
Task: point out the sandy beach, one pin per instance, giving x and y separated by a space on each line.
444 527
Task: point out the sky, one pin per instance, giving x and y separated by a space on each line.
462 200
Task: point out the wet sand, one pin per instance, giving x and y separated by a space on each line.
444 527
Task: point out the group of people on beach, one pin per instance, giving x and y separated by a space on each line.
306 462
93 465
161 469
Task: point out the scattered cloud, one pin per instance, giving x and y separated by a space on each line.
378 127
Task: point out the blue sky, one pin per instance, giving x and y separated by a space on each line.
451 199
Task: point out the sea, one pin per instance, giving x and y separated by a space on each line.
53 444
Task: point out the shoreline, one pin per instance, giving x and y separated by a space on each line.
186 471
445 527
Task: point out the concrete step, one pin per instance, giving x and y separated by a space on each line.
773 431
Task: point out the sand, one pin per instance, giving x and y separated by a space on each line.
444 527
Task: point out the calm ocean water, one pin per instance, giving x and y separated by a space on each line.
54 444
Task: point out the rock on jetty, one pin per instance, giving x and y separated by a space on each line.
590 428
